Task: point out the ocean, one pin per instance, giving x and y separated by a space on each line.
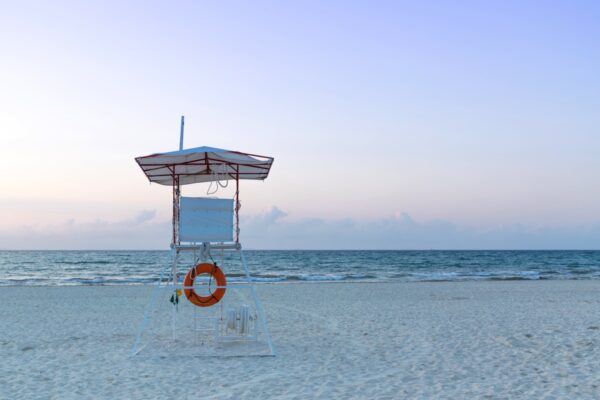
56 268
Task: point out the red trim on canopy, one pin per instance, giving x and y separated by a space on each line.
204 162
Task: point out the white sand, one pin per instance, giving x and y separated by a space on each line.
387 341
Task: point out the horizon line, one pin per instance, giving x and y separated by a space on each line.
333 249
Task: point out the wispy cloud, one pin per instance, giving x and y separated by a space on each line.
274 229
142 231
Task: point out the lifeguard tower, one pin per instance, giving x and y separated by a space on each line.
205 302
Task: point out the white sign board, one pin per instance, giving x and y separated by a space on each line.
205 220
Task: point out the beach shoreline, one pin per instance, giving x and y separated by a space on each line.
490 339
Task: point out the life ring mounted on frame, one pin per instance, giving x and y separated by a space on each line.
215 273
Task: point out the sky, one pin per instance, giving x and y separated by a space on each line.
394 125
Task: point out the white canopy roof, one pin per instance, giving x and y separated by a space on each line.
203 164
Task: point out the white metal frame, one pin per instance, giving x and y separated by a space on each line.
173 283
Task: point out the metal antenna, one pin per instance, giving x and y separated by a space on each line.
181 133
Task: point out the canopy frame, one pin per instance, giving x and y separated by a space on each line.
237 165
219 165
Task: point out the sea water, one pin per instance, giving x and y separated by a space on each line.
51 268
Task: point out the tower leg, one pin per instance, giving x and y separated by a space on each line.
150 309
175 254
258 305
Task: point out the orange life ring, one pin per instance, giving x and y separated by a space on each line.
214 297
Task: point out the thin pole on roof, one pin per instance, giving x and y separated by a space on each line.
181 133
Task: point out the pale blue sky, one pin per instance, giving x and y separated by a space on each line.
482 116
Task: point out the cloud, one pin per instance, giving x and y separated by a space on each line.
273 229
403 232
142 231
263 220
143 216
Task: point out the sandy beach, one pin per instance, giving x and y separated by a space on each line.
490 340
